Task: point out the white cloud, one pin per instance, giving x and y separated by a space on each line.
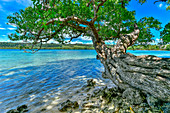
11 28
85 38
160 5
53 41
1 8
88 43
13 25
5 40
3 35
157 39
2 28
7 0
76 42
23 2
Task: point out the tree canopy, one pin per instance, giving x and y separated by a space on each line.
53 19
165 34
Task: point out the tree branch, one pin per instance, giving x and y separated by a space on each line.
101 4
64 20
75 37
96 9
112 37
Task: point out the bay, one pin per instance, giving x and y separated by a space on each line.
38 79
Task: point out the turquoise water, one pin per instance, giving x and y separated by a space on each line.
36 79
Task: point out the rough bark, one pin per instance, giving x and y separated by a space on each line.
148 74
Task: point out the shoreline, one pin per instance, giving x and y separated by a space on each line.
95 97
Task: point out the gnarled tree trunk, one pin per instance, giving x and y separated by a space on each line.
148 74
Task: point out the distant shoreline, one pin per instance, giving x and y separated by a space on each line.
85 49
9 45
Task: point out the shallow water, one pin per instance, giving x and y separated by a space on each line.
37 79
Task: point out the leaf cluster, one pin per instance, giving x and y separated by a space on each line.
165 34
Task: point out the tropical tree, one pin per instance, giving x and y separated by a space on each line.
101 20
165 34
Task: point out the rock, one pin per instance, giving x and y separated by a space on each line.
105 109
166 108
141 110
20 109
87 89
152 102
108 94
43 109
132 96
111 111
91 82
68 104
13 111
144 105
90 105
96 91
76 105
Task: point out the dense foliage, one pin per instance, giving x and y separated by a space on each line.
165 34
64 19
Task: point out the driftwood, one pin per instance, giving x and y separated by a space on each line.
148 74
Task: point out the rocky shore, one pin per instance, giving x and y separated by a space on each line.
108 99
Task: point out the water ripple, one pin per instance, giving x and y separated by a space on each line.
32 85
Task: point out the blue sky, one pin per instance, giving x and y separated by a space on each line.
8 7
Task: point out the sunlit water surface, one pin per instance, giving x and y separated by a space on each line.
37 79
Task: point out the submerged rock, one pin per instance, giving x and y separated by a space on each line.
91 82
68 104
20 109
13 111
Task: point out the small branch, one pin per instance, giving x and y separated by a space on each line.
64 20
75 37
33 51
96 9
89 3
112 37
77 27
101 4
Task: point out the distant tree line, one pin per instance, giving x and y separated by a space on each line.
9 45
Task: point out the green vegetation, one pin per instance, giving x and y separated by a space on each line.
52 19
150 47
7 45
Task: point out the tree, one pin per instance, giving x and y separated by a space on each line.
101 20
165 34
